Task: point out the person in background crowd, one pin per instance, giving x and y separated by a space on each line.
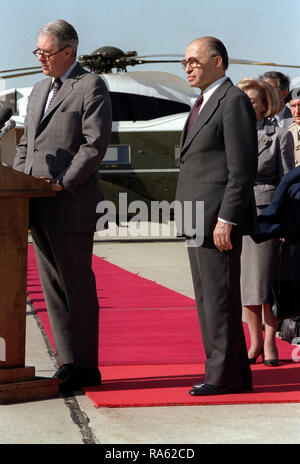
259 262
294 100
281 83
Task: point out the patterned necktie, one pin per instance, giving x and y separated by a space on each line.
195 112
56 88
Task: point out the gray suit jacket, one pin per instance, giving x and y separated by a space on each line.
67 145
219 159
275 158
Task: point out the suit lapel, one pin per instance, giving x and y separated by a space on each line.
205 113
62 94
264 138
44 92
66 89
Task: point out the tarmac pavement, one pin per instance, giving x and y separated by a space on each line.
75 420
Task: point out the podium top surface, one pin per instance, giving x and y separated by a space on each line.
15 183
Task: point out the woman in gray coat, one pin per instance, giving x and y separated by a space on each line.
259 262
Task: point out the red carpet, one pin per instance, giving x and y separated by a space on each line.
168 385
150 350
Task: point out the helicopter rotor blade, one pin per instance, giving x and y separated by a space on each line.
164 55
153 61
100 64
19 69
261 63
10 76
231 60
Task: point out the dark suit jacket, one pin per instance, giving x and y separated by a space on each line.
219 159
67 145
281 218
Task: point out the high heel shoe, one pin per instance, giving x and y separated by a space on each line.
260 353
271 362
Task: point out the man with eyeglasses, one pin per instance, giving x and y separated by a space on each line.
66 133
218 167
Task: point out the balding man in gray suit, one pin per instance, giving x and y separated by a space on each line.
66 133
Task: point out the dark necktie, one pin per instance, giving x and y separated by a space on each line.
56 88
195 112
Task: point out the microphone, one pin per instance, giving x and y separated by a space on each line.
5 114
8 126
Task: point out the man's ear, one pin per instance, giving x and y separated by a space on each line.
219 61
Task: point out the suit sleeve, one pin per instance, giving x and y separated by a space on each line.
21 153
96 125
240 139
286 160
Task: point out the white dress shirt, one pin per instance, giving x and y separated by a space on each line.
62 78
211 89
208 92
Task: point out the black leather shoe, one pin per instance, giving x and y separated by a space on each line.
77 378
205 389
247 387
63 371
244 387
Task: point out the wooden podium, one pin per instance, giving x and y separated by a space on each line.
17 381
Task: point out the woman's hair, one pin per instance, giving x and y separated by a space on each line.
267 94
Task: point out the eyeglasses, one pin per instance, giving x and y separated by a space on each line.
46 55
194 62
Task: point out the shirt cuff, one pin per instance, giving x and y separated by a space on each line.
227 222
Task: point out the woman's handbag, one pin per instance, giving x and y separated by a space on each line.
286 290
290 330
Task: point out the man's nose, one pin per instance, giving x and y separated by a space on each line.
188 68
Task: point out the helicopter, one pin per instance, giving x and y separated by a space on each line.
149 112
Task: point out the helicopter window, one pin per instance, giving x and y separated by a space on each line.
117 154
131 107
